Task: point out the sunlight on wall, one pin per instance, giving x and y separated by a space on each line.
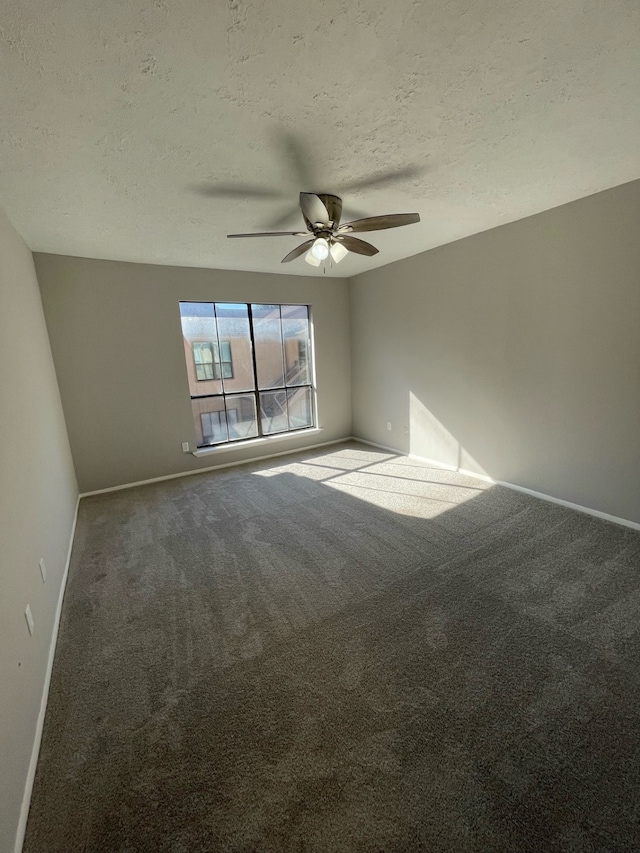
429 439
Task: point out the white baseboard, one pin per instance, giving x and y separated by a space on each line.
634 525
625 522
35 752
383 447
216 467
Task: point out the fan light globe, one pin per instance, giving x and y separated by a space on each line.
338 252
320 249
309 258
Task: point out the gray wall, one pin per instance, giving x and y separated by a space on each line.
38 493
515 352
117 344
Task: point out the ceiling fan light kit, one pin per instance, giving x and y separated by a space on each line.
320 249
311 259
338 252
321 213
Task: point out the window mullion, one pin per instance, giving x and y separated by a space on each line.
216 349
284 367
255 371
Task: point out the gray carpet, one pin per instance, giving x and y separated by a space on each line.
342 651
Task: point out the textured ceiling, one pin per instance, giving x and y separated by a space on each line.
113 113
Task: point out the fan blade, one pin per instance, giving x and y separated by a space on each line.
272 234
237 191
360 247
379 223
299 250
384 178
313 209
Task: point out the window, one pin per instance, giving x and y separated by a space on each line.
212 361
249 368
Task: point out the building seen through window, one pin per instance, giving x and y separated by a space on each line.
212 360
249 369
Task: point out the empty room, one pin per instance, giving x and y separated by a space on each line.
319 427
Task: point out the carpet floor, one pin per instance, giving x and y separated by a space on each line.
342 650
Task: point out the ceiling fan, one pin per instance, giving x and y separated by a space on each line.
329 239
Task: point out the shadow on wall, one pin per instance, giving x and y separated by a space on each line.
429 438
341 646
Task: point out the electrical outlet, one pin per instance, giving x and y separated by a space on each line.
389 425
43 570
185 446
28 615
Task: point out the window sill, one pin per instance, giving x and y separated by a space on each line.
263 441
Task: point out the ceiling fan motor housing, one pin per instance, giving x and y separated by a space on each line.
333 203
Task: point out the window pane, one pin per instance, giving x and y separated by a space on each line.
300 411
235 356
200 339
295 330
268 342
212 427
210 420
241 416
273 411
